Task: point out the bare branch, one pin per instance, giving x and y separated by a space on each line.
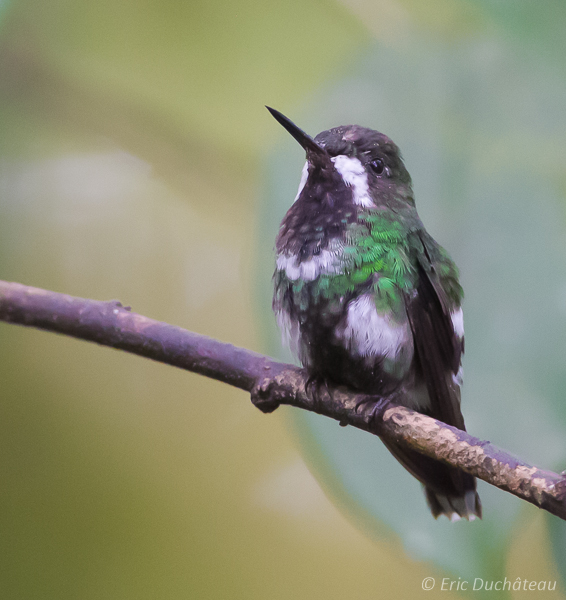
272 383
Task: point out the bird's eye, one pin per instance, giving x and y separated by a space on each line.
377 166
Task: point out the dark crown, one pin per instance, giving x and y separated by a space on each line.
366 145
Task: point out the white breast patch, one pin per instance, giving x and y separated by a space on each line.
367 333
328 262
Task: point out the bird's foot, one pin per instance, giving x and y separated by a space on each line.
375 406
315 387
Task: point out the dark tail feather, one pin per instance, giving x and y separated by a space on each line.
449 491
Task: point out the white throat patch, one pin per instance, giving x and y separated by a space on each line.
304 177
355 176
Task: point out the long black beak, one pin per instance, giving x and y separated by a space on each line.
315 153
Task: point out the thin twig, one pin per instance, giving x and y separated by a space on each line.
272 383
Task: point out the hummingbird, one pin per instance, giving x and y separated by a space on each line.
366 298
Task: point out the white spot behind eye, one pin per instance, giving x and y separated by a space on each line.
354 175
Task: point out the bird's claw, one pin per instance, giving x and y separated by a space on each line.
315 386
379 405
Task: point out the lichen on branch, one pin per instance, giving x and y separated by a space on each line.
272 383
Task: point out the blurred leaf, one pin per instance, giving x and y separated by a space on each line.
483 132
4 6
129 134
535 27
205 68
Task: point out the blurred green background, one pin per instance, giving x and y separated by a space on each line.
137 162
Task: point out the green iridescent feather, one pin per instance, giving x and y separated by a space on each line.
379 249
